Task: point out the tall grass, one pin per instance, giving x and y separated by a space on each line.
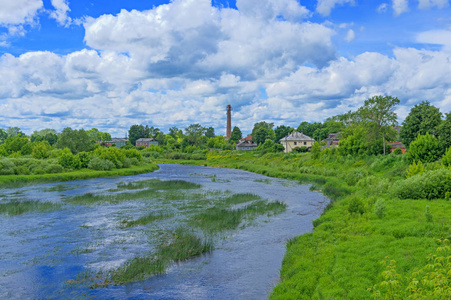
158 185
13 208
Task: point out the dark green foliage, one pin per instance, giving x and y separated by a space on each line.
100 164
425 148
195 134
84 158
302 149
16 144
446 158
21 170
356 206
138 131
75 140
423 118
282 131
69 161
444 132
210 132
236 135
428 185
263 131
397 151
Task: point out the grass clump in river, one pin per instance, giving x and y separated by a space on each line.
183 245
13 208
158 185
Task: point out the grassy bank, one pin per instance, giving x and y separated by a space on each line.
372 241
15 181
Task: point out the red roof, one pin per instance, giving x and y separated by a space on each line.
248 138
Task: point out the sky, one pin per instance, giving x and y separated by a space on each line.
112 64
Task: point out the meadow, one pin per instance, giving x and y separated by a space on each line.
383 236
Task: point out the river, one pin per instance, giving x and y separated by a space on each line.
41 252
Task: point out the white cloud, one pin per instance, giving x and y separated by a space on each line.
60 14
400 6
14 15
382 8
270 9
325 7
437 37
426 4
350 35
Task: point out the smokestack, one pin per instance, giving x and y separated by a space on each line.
229 121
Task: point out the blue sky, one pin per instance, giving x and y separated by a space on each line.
112 64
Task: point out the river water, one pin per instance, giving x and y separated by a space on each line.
41 252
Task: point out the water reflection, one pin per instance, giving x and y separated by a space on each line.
41 252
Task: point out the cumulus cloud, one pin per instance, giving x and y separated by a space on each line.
270 9
14 15
325 7
400 6
60 14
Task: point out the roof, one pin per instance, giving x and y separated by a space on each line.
397 145
248 138
296 136
246 144
119 140
146 140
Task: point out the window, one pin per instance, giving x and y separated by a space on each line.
295 143
305 143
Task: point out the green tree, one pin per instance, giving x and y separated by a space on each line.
263 131
138 131
424 148
236 135
444 133
423 118
3 135
16 144
210 132
41 150
14 131
47 134
282 131
96 135
379 112
75 140
195 134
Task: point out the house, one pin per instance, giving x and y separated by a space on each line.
118 142
246 145
332 140
395 145
146 142
248 138
296 139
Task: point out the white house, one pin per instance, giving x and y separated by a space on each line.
296 139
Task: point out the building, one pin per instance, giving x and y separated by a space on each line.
246 145
118 142
146 142
248 138
332 140
394 145
229 122
296 139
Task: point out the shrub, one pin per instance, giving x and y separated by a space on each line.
41 150
84 158
116 156
300 149
127 163
428 214
100 164
397 151
425 148
152 154
414 169
21 170
356 206
431 184
54 168
38 171
446 158
133 153
67 160
134 161
6 167
354 176
380 208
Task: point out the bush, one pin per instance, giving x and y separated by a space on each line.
356 206
380 208
425 148
100 164
446 158
6 167
354 176
67 160
300 149
84 158
397 151
414 169
152 154
116 156
41 150
38 171
21 170
54 168
133 153
427 185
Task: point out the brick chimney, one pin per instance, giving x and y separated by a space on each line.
229 121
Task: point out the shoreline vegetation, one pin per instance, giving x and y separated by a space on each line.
385 234
16 181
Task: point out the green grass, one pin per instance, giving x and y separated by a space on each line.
158 185
16 181
182 246
342 258
13 208
218 218
152 217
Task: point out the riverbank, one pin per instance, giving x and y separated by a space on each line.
15 181
368 242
